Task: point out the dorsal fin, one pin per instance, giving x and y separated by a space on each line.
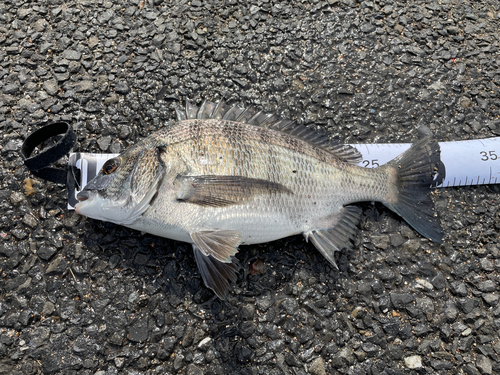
252 116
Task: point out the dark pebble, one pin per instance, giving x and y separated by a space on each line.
138 331
122 88
400 300
10 88
46 252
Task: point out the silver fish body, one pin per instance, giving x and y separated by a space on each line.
224 177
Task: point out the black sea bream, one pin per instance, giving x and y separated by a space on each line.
223 176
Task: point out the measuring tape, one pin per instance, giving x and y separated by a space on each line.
466 163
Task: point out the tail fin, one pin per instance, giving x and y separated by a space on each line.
415 170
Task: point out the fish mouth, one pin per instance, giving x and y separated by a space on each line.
83 195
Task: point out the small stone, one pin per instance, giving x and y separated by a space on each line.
439 281
56 266
413 362
188 337
205 344
469 304
490 298
19 234
424 284
348 355
30 220
279 84
465 102
470 370
411 246
416 50
40 25
24 12
12 145
370 348
400 300
46 252
115 148
84 86
458 289
487 265
367 28
317 367
247 312
122 88
50 86
104 142
178 362
453 30
71 55
441 365
117 338
38 337
484 365
466 332
124 131
450 311
380 242
264 302
93 41
305 334
396 239
192 369
138 332
487 286
48 308
10 88
16 198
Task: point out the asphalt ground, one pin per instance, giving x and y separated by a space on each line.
80 296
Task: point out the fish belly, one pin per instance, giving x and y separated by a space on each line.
266 219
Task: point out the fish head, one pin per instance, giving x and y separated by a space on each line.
125 186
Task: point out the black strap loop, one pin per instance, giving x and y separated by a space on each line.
39 164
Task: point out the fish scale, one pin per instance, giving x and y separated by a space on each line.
223 176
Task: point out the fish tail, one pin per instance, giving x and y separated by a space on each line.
413 173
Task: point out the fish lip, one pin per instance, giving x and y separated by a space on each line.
83 195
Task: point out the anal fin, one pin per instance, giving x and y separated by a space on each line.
338 236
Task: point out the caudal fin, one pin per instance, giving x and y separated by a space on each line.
415 170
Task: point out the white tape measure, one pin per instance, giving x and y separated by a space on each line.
467 163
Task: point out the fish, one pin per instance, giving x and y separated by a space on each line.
222 176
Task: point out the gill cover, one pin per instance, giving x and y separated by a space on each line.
125 187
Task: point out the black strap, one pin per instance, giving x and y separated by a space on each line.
39 164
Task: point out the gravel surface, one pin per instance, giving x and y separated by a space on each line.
80 296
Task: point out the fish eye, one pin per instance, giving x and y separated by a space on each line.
110 166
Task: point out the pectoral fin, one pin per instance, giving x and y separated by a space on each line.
220 191
338 236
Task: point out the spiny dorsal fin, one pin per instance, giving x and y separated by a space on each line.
252 116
